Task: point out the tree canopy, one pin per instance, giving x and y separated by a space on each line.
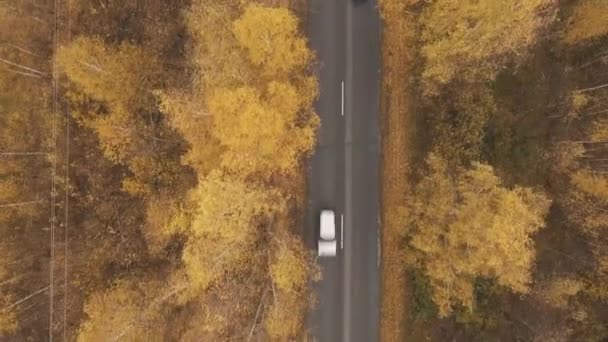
122 76
291 270
226 224
469 225
473 40
589 20
185 136
261 132
128 310
270 37
258 107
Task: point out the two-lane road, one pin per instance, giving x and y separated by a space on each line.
344 167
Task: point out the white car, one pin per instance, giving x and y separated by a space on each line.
327 234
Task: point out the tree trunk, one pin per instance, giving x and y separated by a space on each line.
24 50
23 67
9 154
19 204
24 73
605 85
257 313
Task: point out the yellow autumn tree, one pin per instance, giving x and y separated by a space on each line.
166 216
229 308
557 292
253 123
588 21
248 129
270 36
219 60
465 225
586 200
127 311
227 207
121 76
226 223
262 132
247 115
291 271
599 130
122 79
114 95
582 166
292 266
473 39
592 183
582 163
599 283
280 323
187 113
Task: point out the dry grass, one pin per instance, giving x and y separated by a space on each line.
398 44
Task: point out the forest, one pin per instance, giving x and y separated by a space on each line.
501 165
151 162
153 157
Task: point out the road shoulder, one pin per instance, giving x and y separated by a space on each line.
397 129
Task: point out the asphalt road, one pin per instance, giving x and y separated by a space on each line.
344 168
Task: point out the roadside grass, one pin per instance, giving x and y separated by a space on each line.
398 129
